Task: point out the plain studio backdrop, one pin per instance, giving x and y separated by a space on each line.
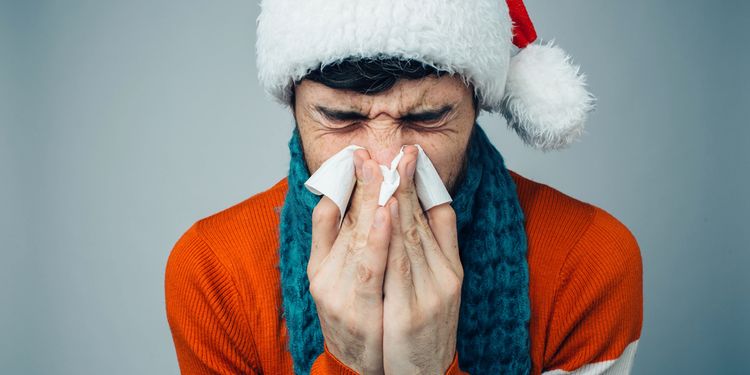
125 122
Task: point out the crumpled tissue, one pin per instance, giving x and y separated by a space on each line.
335 179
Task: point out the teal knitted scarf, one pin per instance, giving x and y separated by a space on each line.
493 336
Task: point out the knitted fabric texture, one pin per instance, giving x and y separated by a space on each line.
493 331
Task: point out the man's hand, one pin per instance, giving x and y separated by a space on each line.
387 286
346 271
422 284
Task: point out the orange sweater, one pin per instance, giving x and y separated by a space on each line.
223 296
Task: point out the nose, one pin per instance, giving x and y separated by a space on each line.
384 154
383 142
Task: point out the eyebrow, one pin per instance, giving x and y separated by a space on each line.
349 115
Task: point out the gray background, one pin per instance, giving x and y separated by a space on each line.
125 122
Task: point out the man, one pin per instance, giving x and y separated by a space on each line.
512 276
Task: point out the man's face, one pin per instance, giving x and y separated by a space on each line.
435 112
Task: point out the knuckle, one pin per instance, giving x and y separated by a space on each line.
460 273
419 323
349 223
460 277
334 309
411 236
359 184
403 265
310 272
442 215
452 287
329 303
432 307
323 213
454 290
364 273
358 242
407 189
371 194
367 286
449 215
449 211
316 290
420 218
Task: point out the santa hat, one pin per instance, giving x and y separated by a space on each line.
488 43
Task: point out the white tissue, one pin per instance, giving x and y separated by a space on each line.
335 179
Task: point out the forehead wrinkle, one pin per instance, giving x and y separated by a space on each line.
423 100
406 100
352 103
406 106
343 103
400 93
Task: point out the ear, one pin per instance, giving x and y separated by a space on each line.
545 100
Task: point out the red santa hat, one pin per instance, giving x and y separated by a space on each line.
488 43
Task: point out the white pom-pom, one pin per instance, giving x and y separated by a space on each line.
546 101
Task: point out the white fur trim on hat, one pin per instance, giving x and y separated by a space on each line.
546 101
468 37
539 91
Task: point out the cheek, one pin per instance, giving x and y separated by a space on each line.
444 150
446 156
319 149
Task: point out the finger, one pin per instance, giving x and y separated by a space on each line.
432 251
367 201
325 219
408 209
398 278
367 247
442 221
352 213
369 263
346 233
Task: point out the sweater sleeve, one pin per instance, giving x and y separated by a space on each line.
327 363
210 332
597 311
453 368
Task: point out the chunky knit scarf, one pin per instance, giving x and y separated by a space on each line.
493 335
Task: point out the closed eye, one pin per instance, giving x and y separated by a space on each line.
340 116
348 120
428 116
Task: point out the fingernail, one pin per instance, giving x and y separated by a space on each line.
394 209
411 168
379 218
367 172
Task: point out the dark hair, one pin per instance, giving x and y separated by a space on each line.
372 75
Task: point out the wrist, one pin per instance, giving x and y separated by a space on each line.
330 364
350 367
